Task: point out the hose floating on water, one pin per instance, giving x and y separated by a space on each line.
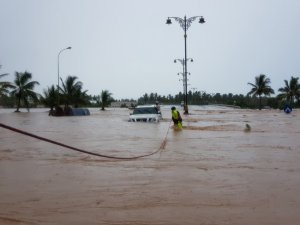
162 146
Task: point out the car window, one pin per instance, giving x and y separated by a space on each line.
149 110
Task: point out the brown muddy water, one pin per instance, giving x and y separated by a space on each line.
213 172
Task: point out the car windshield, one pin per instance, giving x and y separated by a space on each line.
148 110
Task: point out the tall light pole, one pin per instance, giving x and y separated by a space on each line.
185 24
68 48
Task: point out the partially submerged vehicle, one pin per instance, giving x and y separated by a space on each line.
68 111
145 113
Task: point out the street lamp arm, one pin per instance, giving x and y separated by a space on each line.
63 50
191 59
185 23
180 60
190 20
179 20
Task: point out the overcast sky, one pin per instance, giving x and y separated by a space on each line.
126 47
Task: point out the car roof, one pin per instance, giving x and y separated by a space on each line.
145 106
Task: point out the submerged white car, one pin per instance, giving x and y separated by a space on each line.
145 113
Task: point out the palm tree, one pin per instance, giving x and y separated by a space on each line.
105 99
23 89
261 87
4 86
291 90
50 98
72 93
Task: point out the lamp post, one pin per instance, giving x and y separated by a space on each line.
68 48
185 24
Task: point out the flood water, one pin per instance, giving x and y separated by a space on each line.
212 172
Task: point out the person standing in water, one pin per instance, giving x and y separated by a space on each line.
176 117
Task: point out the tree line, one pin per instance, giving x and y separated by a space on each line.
257 97
21 93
